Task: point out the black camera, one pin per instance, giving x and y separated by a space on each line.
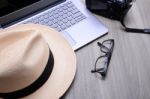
113 9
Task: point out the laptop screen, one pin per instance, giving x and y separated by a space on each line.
8 6
12 10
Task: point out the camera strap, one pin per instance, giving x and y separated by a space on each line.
134 30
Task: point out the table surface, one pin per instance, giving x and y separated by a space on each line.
128 76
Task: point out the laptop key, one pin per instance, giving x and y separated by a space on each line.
59 18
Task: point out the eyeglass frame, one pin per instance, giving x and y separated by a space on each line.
103 71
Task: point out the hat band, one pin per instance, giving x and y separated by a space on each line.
35 85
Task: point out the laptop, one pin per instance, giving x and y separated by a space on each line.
69 17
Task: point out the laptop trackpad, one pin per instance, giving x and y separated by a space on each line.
86 31
69 38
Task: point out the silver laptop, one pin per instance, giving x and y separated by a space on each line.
70 17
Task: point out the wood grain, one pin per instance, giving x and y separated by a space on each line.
128 75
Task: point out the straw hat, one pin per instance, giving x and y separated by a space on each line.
36 62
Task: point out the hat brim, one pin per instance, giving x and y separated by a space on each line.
64 62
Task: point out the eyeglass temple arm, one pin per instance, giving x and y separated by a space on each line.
101 45
101 71
97 70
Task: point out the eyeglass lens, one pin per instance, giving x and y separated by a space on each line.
102 63
108 45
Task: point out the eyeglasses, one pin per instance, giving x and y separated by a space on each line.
102 62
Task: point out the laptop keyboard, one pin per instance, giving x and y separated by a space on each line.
59 18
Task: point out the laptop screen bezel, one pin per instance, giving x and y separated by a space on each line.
26 11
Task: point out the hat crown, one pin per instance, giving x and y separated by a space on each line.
63 65
24 55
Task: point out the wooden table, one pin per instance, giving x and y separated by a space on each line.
128 76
